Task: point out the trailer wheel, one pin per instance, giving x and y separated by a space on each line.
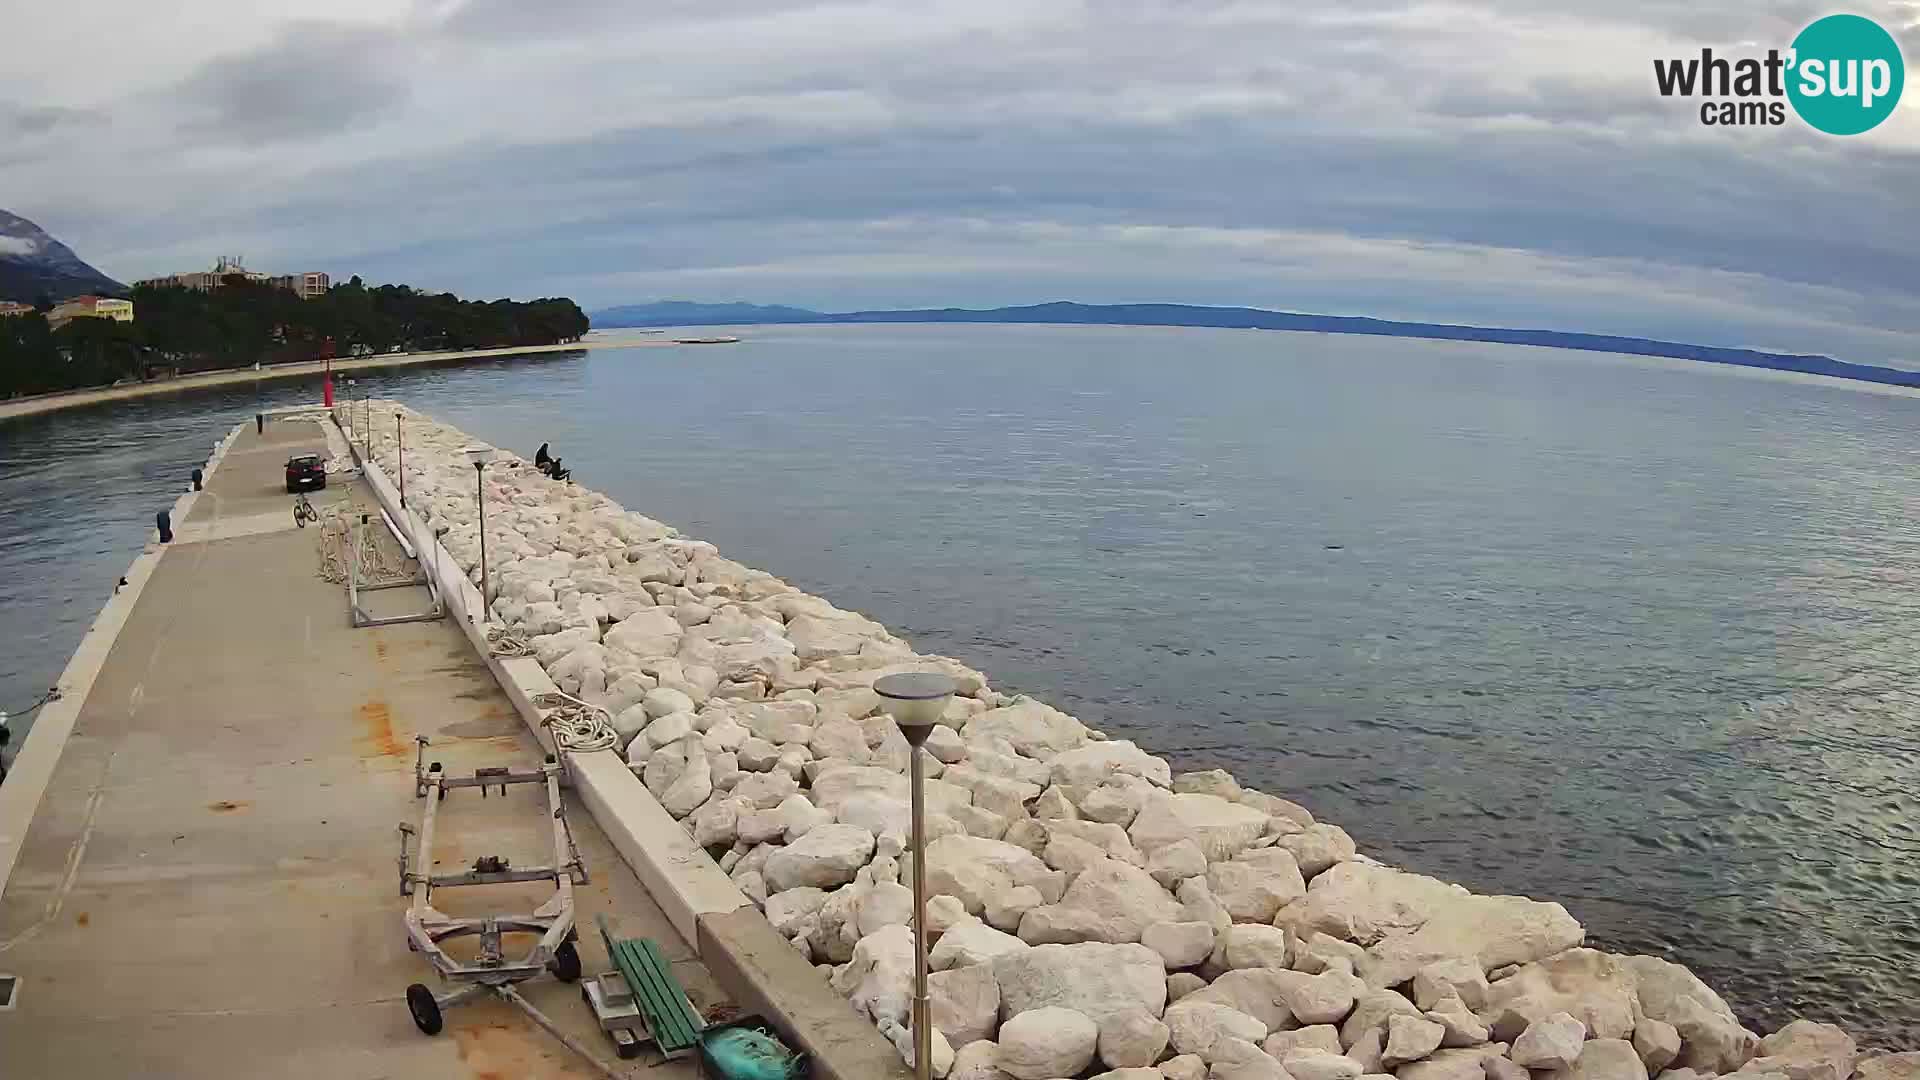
425 1010
566 963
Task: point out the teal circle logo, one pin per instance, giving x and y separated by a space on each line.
1847 74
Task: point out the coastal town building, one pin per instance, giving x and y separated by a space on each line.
10 307
90 307
305 285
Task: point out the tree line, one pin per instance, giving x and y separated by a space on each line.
178 330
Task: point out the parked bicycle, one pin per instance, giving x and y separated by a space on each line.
303 511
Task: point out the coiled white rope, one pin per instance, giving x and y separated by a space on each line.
578 727
381 560
504 642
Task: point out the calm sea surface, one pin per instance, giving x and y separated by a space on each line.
1635 635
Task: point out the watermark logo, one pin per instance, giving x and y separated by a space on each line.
1843 75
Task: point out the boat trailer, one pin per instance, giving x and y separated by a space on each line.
491 971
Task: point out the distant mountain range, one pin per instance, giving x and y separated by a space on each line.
687 313
33 264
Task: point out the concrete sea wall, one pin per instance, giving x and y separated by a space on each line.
1095 912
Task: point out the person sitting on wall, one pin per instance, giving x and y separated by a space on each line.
541 458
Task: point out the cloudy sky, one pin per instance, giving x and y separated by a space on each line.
1493 161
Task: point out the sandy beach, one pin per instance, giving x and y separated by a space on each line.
30 406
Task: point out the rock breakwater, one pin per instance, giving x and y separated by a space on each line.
1095 912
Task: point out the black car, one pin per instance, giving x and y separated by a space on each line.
306 471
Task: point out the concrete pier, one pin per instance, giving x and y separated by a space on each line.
209 886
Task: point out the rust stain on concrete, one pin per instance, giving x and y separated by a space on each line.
82 919
228 806
380 648
376 731
505 1051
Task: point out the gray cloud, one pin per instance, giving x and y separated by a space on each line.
1500 161
314 79
34 120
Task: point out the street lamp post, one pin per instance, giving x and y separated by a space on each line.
400 468
916 699
480 455
351 418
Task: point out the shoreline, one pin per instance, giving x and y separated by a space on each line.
1059 853
71 399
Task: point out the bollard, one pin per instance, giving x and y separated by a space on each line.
164 522
259 423
196 479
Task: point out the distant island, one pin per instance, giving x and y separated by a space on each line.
687 313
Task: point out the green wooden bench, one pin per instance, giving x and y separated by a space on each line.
670 1018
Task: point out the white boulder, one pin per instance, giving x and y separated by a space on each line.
965 1003
977 1061
1193 1027
1094 978
1408 921
1318 847
1004 910
971 943
788 910
1180 944
661 701
1319 952
1551 1042
782 723
1884 1066
1449 1065
885 904
1255 891
1253 945
1711 1038
826 857
940 1052
1410 1038
1605 1059
976 869
1175 862
1033 728
1657 1042
1216 782
800 817
1453 977
669 728
1316 1064
1084 768
1322 1037
1258 992
1131 1040
878 981
1221 829
693 786
648 632
1047 1042
1184 1067
1805 1050
1109 901
1595 987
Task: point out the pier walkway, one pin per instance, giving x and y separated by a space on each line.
210 887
